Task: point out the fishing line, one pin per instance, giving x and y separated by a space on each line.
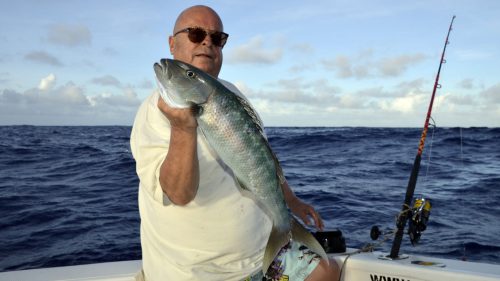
433 126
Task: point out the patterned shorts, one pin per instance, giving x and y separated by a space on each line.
293 262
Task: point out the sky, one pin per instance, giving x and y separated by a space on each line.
300 63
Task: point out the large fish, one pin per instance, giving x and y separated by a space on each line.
235 133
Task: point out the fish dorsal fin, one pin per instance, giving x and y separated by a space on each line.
251 112
279 170
259 126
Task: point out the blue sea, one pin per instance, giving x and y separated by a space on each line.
68 195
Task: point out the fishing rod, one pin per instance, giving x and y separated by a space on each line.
406 210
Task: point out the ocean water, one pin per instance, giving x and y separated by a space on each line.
68 195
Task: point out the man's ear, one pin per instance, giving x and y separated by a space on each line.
171 44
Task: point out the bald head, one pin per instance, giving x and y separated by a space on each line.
191 13
204 55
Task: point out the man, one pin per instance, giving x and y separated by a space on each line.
195 223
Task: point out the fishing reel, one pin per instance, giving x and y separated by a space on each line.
418 218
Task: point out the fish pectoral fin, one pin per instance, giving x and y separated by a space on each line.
196 109
300 234
279 170
276 241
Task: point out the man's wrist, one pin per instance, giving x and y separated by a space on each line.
185 130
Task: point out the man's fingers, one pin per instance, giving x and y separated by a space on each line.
317 219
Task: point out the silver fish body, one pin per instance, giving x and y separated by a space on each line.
235 133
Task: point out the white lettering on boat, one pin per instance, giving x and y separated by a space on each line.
375 277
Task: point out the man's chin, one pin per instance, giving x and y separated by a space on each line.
206 64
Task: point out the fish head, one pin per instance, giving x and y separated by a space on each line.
182 85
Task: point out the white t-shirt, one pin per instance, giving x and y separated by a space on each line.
219 235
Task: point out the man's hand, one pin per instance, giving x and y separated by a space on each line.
305 212
179 118
300 209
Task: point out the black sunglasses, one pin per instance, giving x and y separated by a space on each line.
198 34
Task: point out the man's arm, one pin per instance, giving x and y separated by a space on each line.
179 172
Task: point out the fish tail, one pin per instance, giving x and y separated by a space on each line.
303 236
277 239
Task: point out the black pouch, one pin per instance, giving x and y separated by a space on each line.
331 241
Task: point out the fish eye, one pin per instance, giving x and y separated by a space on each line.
190 74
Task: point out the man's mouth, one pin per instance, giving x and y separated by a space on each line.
204 55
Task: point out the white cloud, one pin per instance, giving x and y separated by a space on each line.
462 100
299 91
69 94
127 99
291 99
395 66
365 65
349 101
244 88
254 52
405 104
492 95
68 104
47 82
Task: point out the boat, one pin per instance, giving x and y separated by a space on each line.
356 266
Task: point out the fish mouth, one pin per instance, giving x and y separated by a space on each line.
180 84
164 76
161 69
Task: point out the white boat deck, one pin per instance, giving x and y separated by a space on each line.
364 266
109 271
